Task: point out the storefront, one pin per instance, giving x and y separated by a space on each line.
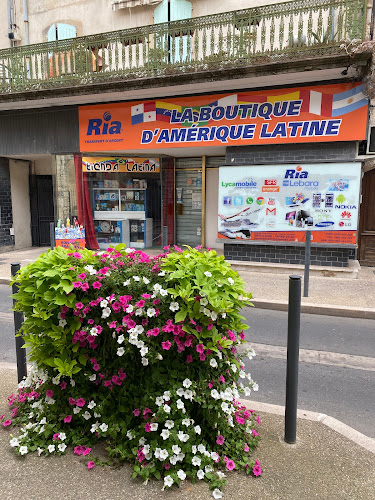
252 135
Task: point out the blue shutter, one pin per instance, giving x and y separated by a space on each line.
51 33
161 12
65 31
181 9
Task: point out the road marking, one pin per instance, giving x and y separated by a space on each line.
6 317
317 357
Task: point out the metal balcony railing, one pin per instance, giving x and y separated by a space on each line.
270 33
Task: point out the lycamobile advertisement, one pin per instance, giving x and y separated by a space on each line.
282 202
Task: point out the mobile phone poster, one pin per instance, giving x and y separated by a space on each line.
282 202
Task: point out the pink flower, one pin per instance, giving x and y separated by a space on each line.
220 439
67 419
63 385
242 336
82 276
2 416
230 465
77 284
136 412
140 303
85 286
72 401
91 464
148 427
56 436
189 358
6 423
222 379
166 345
257 470
79 306
85 450
96 367
80 402
258 420
147 296
96 284
78 450
246 448
167 466
254 432
49 393
200 348
202 357
209 326
76 255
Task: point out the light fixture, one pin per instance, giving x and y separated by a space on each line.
345 71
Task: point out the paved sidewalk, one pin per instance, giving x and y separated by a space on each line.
330 295
323 465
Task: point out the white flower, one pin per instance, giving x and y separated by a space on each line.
208 274
220 474
146 449
23 450
94 427
106 312
168 481
56 380
130 435
197 429
151 312
225 406
174 306
50 401
142 441
51 448
173 460
242 374
231 281
186 422
176 449
167 409
196 461
159 401
167 395
62 436
62 322
103 427
181 474
120 351
169 424
213 363
194 449
180 404
201 448
234 367
163 454
90 269
14 442
163 292
180 392
92 377
165 433
76 410
97 415
208 469
187 383
40 451
91 405
215 394
103 304
94 331
188 394
62 447
146 281
214 456
120 339
224 315
214 315
126 283
144 361
203 301
217 494
86 415
200 474
139 312
162 273
136 278
154 427
129 309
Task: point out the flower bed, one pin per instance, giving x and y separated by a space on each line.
139 352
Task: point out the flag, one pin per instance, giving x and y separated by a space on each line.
164 110
145 112
346 102
316 103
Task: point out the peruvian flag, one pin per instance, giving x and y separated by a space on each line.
316 103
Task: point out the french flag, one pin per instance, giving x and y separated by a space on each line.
316 103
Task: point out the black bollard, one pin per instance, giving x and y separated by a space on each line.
18 320
307 264
294 321
52 234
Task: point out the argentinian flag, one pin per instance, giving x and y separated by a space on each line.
349 101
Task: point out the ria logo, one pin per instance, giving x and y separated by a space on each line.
97 126
298 173
295 177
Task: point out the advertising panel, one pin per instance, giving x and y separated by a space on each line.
336 112
132 165
282 202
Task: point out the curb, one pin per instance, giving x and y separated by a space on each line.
326 310
336 425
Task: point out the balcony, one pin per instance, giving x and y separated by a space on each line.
280 34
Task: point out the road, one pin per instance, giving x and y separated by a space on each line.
337 361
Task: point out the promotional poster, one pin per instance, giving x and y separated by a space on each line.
282 202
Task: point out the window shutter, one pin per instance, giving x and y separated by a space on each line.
65 31
161 13
51 33
181 9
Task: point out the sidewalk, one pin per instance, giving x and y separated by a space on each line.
323 465
332 295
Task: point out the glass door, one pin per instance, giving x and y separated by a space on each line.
188 207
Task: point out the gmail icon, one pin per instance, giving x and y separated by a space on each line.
271 211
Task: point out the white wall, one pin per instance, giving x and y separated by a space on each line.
19 179
212 191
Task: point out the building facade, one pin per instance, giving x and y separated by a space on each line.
130 115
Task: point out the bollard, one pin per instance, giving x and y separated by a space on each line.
18 320
307 264
52 234
294 320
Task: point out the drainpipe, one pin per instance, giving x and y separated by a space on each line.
10 21
26 22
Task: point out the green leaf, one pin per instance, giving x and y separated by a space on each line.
180 315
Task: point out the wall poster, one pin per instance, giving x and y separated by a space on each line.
282 202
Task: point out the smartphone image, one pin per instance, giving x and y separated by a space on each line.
316 200
329 200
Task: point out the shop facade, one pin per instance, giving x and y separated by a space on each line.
152 172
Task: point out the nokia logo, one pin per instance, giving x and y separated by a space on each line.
98 126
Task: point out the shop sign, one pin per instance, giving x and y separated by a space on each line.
322 198
323 113
131 165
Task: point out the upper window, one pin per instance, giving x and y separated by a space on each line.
175 11
61 31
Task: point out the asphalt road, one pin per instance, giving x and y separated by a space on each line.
337 390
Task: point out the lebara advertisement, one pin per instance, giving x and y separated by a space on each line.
282 202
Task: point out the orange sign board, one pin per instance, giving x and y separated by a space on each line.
333 237
80 243
322 113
